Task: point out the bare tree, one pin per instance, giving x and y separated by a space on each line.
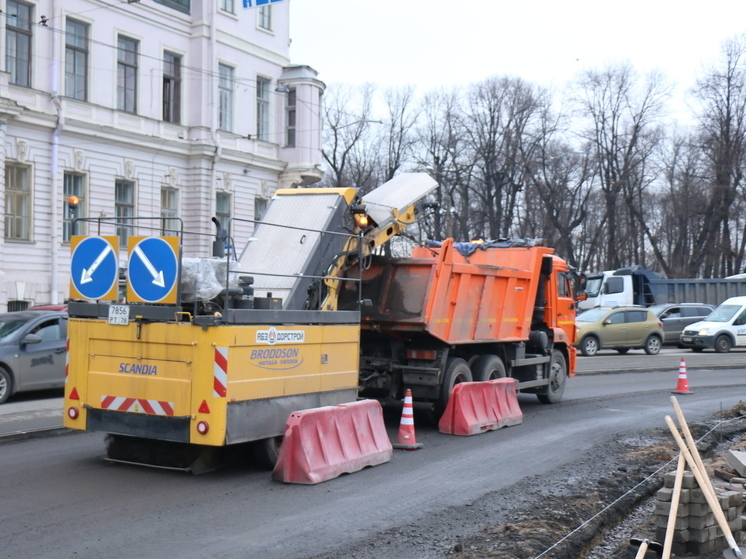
499 114
558 198
347 117
621 134
722 94
400 122
440 148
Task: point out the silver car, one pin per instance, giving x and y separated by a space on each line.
676 317
32 351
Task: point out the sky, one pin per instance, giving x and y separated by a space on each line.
435 43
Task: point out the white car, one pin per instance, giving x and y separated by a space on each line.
724 328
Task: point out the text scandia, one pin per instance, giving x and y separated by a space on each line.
138 369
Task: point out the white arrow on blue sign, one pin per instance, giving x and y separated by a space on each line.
255 3
152 269
94 267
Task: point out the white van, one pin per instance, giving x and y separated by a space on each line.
724 328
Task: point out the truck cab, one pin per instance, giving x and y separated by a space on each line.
616 288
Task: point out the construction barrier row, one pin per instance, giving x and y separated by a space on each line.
476 407
323 443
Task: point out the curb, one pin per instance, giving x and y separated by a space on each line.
35 434
653 369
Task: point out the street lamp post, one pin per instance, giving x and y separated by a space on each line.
72 205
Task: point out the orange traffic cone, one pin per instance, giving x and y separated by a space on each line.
683 386
406 439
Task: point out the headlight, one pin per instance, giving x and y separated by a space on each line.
703 332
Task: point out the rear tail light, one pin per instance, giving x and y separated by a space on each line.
73 413
203 427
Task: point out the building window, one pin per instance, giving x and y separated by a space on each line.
169 211
225 97
17 202
124 207
181 5
171 88
262 109
260 208
290 117
18 42
228 6
127 75
265 17
72 186
223 209
76 60
15 306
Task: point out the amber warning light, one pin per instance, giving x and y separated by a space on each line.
360 215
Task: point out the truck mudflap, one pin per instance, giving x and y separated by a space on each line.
138 424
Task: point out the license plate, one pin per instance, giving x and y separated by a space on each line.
686 339
119 314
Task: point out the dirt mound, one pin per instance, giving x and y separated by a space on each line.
562 525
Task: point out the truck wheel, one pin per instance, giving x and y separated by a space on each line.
6 385
557 379
488 367
457 371
589 346
266 452
722 344
653 345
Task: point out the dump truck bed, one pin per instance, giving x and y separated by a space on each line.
485 297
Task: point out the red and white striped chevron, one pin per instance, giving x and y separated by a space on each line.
67 358
137 405
220 373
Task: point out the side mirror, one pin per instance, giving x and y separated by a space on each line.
582 296
31 339
607 322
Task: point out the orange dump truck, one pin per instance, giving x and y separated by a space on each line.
458 312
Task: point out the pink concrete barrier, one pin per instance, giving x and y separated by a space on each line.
476 407
323 443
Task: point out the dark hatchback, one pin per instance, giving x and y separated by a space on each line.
676 317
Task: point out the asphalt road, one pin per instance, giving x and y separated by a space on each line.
669 358
40 411
59 498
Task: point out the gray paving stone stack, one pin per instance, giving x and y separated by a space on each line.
696 531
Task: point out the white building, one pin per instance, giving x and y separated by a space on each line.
164 108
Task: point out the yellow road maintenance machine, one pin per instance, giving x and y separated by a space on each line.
204 354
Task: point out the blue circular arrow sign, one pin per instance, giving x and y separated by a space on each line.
93 267
152 269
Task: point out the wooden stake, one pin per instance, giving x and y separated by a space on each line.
670 527
706 488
